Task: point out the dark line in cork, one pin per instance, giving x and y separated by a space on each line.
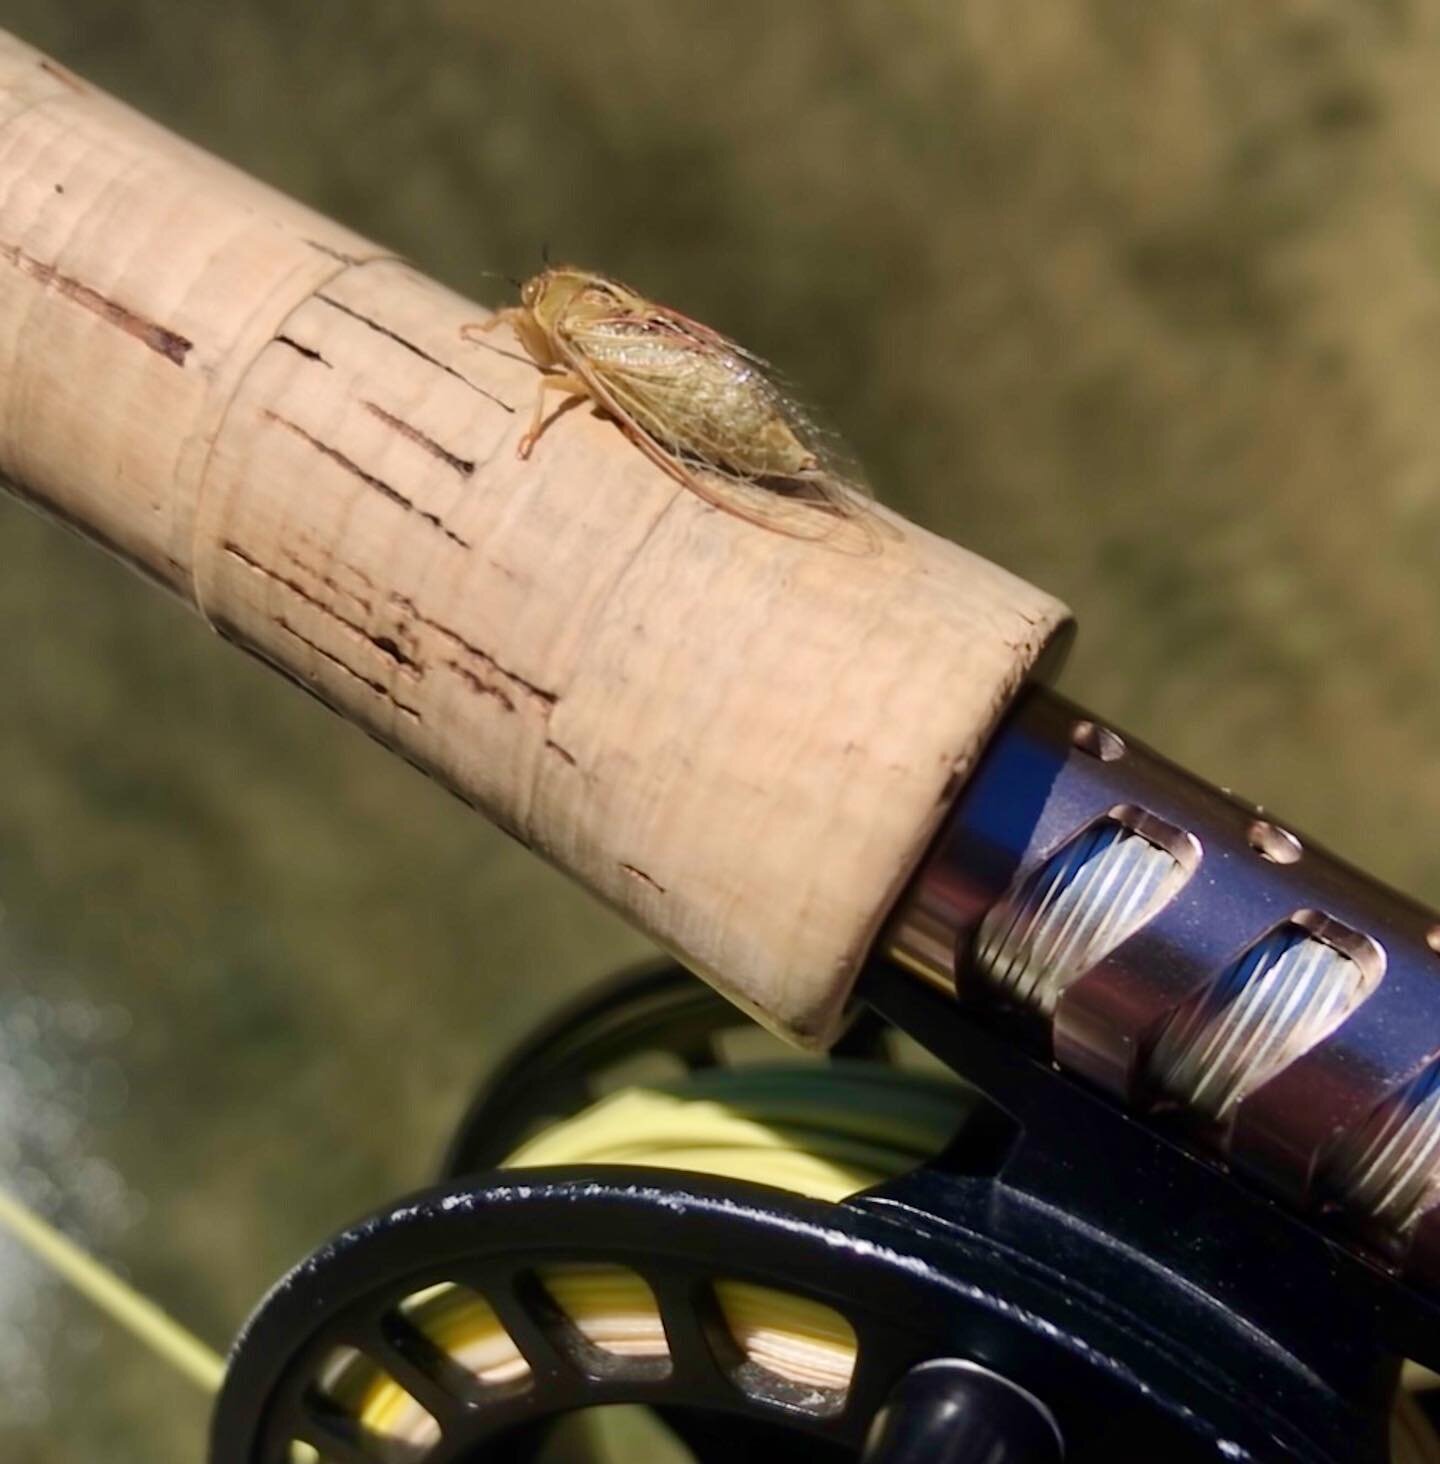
309 352
329 581
60 74
464 466
164 342
481 688
326 549
564 754
294 586
335 253
413 349
550 698
644 878
378 687
229 632
369 479
385 644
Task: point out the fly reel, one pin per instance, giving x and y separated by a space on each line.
829 1261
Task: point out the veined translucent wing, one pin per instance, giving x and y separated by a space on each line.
711 415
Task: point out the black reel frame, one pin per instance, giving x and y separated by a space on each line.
1157 1306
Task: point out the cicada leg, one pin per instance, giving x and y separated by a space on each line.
508 316
564 381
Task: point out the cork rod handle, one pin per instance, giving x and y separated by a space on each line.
740 740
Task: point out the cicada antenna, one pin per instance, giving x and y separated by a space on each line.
499 274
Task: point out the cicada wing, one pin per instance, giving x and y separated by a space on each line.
660 360
837 462
643 373
825 513
710 338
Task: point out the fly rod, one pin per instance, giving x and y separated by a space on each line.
808 748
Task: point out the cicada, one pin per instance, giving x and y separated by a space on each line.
700 406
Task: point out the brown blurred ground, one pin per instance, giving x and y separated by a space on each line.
1139 297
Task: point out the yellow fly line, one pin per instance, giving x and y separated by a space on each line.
824 1131
121 1302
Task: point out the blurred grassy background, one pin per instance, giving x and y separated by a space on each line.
1141 299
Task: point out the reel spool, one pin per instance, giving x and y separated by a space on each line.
927 1275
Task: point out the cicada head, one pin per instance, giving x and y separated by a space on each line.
560 292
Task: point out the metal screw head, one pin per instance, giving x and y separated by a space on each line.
1272 842
1098 741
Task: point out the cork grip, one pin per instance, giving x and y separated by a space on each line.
740 740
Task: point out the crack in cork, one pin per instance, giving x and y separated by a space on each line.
499 690
386 645
66 78
329 581
339 254
638 874
480 686
378 687
464 466
160 339
309 352
548 699
369 479
415 350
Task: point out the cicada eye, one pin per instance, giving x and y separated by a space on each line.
600 293
530 290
